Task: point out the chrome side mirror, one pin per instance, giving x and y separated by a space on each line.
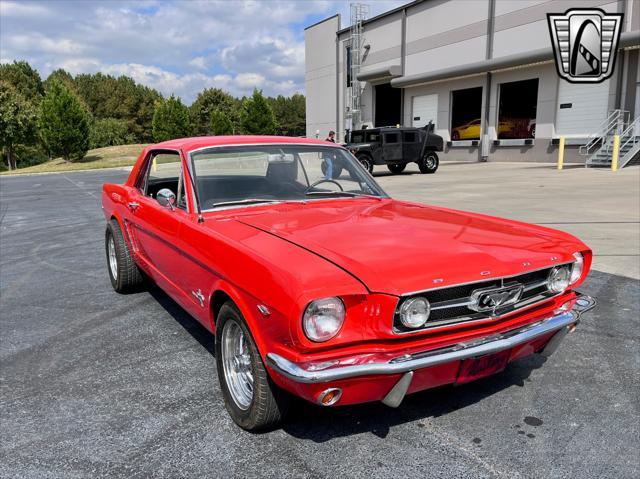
166 198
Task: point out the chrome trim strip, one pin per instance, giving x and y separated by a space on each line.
451 303
484 280
233 145
464 350
531 286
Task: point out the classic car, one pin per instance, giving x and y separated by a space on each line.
468 131
326 288
396 147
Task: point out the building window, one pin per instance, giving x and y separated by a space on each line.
466 111
517 111
348 57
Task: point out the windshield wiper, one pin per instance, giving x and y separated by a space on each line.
350 194
247 201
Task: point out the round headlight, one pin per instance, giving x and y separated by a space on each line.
323 319
414 312
576 269
558 280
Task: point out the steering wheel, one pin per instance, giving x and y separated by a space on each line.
324 180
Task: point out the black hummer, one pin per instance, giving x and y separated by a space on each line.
395 147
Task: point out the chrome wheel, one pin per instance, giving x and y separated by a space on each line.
430 162
236 364
364 161
113 259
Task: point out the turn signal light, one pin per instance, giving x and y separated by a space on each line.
329 397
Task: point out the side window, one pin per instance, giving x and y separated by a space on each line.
164 170
357 138
373 137
410 137
392 138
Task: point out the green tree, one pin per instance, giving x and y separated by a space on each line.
220 123
208 101
109 132
63 123
290 114
257 117
170 120
17 121
60 75
21 76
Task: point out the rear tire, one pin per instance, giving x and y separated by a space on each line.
367 162
124 274
253 401
429 164
335 172
397 169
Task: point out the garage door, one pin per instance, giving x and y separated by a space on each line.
425 109
581 108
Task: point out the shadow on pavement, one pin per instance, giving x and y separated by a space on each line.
193 327
310 422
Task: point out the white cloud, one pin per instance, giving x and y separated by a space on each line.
175 46
199 62
21 9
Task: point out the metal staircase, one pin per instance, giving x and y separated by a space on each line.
599 147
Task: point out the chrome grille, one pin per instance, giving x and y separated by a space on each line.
450 305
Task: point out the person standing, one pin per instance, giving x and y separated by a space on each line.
328 160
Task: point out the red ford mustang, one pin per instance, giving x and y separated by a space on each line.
317 284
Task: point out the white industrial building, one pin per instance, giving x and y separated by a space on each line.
481 70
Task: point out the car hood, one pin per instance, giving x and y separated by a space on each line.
400 247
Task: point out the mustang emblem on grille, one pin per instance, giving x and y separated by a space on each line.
491 299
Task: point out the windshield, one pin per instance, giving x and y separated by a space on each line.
243 175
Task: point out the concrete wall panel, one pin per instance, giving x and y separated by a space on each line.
446 56
321 66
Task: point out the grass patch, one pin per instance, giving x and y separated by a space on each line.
108 157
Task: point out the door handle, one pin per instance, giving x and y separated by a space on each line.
133 205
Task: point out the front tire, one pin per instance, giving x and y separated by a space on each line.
429 164
397 169
124 274
367 162
252 400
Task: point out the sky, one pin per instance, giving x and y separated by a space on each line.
176 47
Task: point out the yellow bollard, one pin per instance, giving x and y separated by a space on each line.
561 153
154 165
615 152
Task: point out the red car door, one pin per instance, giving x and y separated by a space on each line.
156 228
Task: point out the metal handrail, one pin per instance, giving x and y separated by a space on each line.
615 122
628 132
628 137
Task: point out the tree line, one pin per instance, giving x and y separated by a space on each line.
65 115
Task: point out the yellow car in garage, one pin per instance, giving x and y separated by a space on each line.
468 131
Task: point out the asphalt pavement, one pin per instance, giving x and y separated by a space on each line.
96 384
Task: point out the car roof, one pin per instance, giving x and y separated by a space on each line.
194 143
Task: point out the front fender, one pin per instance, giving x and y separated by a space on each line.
261 326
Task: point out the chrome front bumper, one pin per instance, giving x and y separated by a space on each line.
561 321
